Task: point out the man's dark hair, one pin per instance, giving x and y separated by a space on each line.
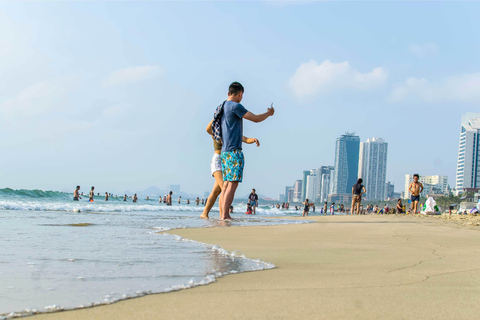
78 187
93 187
399 200
416 175
171 192
235 88
359 181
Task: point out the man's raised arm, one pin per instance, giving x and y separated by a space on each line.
259 117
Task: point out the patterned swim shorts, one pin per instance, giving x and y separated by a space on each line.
232 165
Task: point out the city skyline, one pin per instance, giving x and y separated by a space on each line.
91 96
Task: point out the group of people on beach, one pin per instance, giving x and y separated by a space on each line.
167 199
228 161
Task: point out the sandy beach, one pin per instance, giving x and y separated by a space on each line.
340 267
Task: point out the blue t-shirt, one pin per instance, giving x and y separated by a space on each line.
232 126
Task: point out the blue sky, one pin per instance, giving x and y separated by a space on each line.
118 94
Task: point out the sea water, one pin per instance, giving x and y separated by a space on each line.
62 254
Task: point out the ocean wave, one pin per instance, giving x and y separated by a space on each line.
92 207
35 193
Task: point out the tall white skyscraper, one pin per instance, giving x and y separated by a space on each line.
297 193
325 182
468 159
372 167
312 185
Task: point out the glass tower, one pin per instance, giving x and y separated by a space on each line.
346 163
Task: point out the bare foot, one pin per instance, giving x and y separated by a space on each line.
226 217
204 216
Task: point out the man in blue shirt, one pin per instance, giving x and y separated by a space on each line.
232 133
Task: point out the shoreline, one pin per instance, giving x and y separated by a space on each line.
339 267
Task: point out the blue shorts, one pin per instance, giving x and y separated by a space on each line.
232 165
415 198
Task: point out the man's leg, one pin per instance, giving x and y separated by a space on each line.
229 188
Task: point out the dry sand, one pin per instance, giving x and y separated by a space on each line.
341 267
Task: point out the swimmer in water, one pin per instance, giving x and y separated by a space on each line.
180 200
169 198
76 194
91 194
106 196
125 198
135 198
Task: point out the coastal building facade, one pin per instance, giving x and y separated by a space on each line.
468 163
372 167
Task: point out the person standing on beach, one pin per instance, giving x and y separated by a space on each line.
253 198
229 118
325 207
306 209
332 209
76 194
358 190
91 194
415 189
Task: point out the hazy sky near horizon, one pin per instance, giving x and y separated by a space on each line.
118 94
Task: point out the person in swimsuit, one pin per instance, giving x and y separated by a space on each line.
179 199
76 194
358 190
91 195
125 198
169 198
253 198
106 196
135 198
216 169
306 209
415 189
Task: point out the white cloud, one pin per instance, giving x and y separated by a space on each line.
460 88
40 98
423 50
133 74
312 78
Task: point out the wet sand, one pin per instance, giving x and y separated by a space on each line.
340 267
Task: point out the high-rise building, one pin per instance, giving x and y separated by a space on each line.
297 191
431 185
312 184
306 173
291 193
325 186
468 165
372 167
346 163
389 190
287 194
281 197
